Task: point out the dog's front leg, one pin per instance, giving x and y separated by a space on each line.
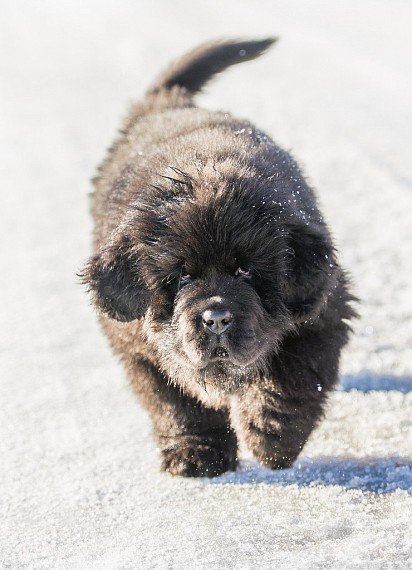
273 428
277 414
194 440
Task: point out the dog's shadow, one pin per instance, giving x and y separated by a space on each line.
369 382
376 474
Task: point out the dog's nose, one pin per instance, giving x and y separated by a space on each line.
217 321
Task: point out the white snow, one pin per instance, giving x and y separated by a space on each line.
80 486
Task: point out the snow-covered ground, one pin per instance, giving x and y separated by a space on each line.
80 486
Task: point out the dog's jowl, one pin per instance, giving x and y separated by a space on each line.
215 276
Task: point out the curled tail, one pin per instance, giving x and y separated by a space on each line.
196 68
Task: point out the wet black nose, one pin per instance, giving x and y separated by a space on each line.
217 321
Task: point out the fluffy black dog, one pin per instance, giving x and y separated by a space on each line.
215 276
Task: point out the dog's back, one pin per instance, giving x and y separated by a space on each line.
166 128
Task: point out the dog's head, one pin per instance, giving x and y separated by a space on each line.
219 272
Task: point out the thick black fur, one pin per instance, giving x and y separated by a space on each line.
195 210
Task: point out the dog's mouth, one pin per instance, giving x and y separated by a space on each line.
223 354
219 353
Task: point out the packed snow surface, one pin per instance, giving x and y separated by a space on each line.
80 486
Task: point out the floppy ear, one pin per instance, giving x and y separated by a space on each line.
114 280
312 270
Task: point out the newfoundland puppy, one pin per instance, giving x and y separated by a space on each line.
215 276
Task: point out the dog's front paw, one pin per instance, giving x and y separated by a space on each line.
201 460
278 460
267 448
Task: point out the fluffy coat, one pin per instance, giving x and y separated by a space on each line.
196 213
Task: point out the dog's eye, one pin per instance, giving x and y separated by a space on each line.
185 278
240 272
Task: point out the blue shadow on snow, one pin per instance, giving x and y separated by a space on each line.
376 475
368 382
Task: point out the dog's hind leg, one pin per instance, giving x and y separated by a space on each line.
195 441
